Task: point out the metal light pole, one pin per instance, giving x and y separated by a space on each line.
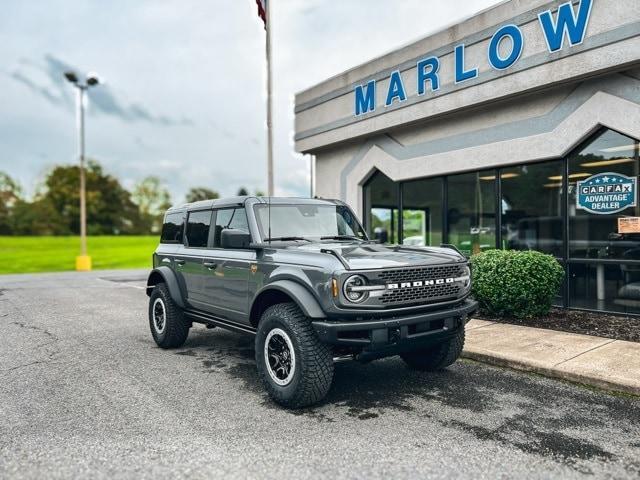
83 261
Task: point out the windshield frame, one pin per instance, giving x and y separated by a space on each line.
264 235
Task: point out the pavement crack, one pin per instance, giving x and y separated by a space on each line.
51 339
35 362
586 351
44 331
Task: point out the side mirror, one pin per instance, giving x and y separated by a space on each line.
232 238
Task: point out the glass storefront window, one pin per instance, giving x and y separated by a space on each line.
603 262
422 212
471 211
381 208
532 207
596 235
613 288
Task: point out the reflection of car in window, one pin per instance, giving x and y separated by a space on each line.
416 240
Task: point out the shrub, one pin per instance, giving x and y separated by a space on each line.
515 283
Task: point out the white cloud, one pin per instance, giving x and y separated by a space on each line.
201 62
315 40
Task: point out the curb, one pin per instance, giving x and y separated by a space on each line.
610 386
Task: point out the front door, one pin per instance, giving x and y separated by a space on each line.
225 286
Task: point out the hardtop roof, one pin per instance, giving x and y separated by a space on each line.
240 201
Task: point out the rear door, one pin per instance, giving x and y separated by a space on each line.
225 286
190 258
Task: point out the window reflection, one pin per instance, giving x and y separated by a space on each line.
614 288
381 208
422 212
532 207
471 211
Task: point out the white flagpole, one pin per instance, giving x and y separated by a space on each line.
269 106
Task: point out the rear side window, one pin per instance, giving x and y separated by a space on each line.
172 228
229 218
198 228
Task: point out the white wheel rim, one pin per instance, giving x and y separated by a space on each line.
279 356
159 315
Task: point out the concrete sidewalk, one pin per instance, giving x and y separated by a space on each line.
600 362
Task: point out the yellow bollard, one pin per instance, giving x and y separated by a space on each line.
83 263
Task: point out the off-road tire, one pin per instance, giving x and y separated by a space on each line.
313 373
176 329
436 357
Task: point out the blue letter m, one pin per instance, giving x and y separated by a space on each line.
575 27
366 98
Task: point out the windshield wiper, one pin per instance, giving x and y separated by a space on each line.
342 237
285 239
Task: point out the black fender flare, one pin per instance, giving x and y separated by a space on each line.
300 294
166 275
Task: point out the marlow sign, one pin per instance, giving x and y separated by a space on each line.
569 22
605 193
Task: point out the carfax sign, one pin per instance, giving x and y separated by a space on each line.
606 193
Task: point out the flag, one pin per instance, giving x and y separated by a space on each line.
262 10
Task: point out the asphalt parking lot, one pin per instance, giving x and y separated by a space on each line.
86 393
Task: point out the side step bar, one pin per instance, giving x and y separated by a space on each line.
208 319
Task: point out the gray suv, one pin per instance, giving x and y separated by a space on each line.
301 276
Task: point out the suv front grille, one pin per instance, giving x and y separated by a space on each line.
423 293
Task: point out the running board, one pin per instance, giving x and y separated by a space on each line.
208 319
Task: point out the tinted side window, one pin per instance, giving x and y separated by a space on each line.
198 228
229 218
172 228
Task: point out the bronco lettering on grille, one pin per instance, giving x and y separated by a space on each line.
420 283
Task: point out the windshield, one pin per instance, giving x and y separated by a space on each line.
308 221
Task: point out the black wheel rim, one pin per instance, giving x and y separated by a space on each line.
279 356
159 315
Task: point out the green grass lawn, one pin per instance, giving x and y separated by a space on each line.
55 254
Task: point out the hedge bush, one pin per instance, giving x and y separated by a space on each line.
520 284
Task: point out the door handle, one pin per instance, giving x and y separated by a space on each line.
210 265
179 261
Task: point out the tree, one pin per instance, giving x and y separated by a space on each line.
10 190
242 191
196 194
10 194
38 218
109 206
153 199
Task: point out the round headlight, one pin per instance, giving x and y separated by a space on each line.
351 289
466 272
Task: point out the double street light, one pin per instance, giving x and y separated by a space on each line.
83 261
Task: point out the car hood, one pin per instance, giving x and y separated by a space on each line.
362 256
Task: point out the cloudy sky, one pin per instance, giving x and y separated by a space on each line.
184 96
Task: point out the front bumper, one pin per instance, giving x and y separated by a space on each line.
388 336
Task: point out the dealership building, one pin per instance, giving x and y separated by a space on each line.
516 128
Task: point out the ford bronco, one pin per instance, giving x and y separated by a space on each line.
302 277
